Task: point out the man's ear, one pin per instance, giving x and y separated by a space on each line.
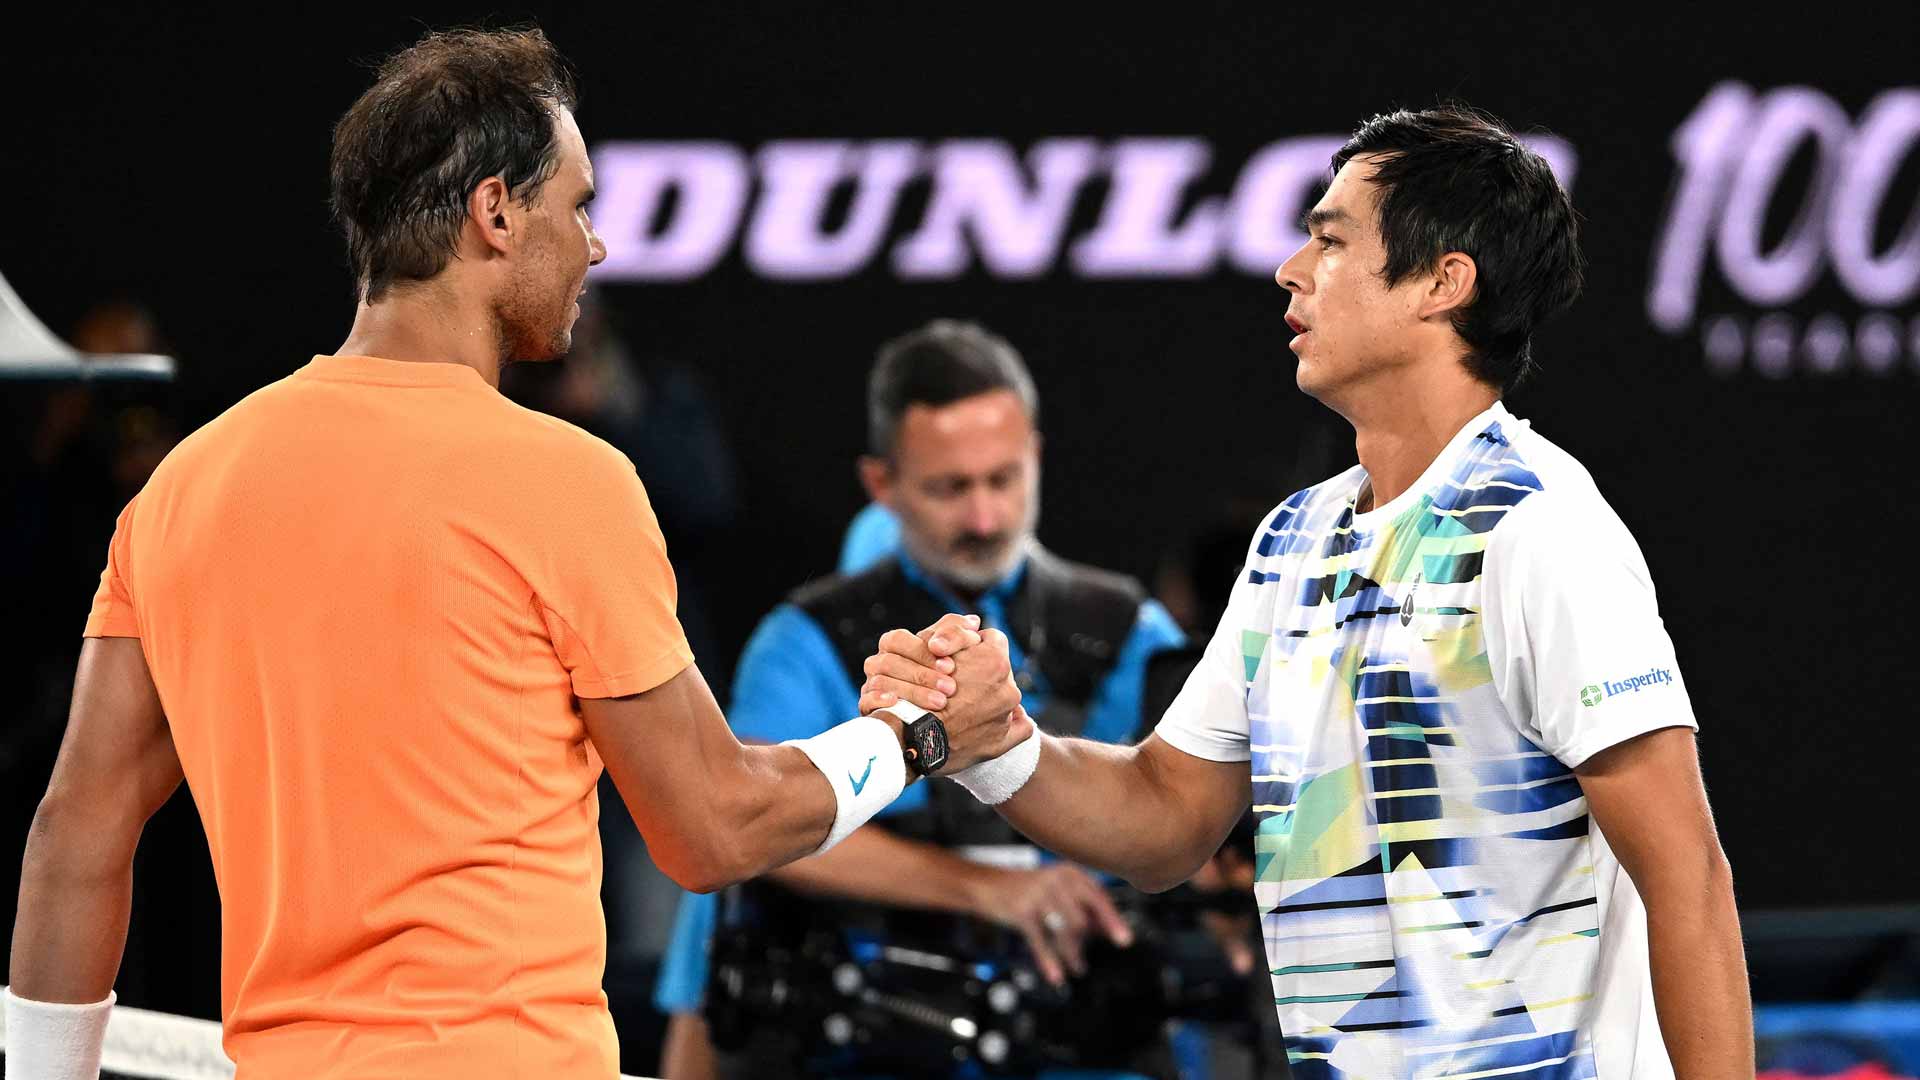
492 214
1451 285
876 475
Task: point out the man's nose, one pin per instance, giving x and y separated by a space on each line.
1292 274
983 512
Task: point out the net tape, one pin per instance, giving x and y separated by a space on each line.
147 1045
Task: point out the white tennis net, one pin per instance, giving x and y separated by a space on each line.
147 1045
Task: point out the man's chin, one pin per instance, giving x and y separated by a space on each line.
556 349
1310 380
979 573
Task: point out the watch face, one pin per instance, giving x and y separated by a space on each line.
929 744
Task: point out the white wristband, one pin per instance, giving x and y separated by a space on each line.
863 761
994 782
904 711
50 1041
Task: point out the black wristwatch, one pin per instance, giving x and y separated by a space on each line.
926 745
924 739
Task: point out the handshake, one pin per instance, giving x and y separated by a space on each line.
960 674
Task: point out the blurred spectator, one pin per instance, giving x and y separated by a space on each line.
75 452
72 454
117 326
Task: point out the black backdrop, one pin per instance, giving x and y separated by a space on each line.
180 158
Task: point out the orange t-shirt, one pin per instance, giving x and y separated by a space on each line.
368 594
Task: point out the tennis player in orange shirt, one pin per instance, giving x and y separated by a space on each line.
390 627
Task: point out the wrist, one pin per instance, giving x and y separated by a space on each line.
55 1041
899 729
861 762
923 738
996 780
980 889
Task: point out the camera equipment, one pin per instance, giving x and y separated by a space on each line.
795 983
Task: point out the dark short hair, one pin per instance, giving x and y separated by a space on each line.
940 363
442 116
1454 178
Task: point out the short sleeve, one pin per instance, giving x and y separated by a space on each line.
603 583
790 683
1208 718
112 614
1580 656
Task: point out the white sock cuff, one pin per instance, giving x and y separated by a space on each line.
862 759
50 1040
994 782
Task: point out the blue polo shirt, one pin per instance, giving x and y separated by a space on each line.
790 684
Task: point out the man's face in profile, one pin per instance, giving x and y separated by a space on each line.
550 272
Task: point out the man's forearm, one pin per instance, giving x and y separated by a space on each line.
1115 808
771 805
795 825
76 892
1700 973
878 867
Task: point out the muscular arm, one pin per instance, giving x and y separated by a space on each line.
1647 797
1149 813
714 810
116 767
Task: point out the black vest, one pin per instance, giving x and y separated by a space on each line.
1068 620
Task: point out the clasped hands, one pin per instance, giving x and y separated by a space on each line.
961 674
964 675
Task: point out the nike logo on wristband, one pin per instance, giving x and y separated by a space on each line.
862 781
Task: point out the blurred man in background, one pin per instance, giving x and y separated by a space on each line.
1484 845
954 454
389 626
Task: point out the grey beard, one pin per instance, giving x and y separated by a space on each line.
974 577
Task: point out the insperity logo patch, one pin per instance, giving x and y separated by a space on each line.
1633 684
